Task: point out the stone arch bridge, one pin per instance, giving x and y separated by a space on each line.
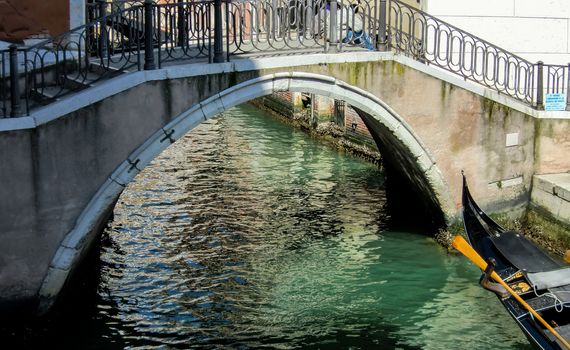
68 163
64 165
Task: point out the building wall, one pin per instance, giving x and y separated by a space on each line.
535 30
22 19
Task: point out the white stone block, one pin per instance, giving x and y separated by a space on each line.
515 181
505 183
53 282
125 172
425 162
212 106
88 217
564 194
242 94
64 258
564 212
540 183
546 201
281 83
186 122
512 139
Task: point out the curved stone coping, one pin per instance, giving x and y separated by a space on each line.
73 246
124 82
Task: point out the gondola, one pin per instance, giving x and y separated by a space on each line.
540 280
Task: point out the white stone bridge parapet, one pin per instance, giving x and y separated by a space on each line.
64 165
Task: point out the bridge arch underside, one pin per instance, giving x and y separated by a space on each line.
414 183
405 155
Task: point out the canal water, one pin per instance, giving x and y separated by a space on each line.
249 234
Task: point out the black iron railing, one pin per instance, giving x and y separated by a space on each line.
122 36
438 43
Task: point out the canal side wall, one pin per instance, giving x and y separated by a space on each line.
323 116
551 195
70 161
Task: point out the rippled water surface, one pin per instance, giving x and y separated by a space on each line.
249 234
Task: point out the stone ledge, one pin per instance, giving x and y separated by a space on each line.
552 193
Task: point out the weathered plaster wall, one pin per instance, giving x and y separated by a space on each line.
463 131
552 146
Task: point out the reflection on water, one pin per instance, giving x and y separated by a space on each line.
249 234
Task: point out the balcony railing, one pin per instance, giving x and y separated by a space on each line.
123 36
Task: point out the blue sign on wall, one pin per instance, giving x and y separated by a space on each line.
555 102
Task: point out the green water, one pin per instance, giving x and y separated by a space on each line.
249 234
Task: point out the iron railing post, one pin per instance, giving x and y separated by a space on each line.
181 24
333 33
148 34
382 43
227 21
218 33
14 83
308 24
274 18
568 87
103 36
540 85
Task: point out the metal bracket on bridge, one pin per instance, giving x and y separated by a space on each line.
133 164
168 136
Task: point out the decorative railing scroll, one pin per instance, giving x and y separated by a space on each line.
435 42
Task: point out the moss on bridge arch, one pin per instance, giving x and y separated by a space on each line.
399 69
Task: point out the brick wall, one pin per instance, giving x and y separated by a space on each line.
21 19
355 127
281 102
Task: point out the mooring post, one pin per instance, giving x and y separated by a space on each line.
148 34
540 85
218 32
382 43
103 36
14 83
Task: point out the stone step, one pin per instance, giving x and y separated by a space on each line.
81 81
102 68
48 93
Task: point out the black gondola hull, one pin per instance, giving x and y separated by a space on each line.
514 256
